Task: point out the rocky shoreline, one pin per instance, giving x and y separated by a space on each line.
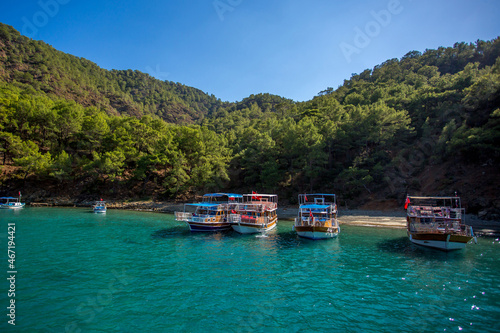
368 218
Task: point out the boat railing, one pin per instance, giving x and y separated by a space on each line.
229 206
453 227
202 218
192 217
234 218
257 206
182 216
437 212
262 220
239 218
315 221
269 205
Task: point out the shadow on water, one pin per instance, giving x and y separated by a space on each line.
290 240
403 246
173 232
131 241
282 239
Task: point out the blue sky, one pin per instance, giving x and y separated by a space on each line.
235 48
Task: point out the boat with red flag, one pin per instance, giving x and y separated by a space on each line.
256 214
211 214
437 222
317 217
11 202
99 206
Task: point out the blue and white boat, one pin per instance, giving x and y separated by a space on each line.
317 218
10 203
210 214
99 207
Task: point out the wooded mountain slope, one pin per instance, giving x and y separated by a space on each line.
28 63
428 123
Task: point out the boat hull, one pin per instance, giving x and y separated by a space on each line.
312 232
208 226
9 206
252 228
445 242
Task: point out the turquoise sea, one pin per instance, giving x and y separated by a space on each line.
126 271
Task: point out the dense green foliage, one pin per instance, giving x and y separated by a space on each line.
34 65
64 118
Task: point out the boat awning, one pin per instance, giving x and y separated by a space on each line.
318 194
433 198
314 206
203 204
218 195
8 198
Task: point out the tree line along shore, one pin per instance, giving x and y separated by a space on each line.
426 123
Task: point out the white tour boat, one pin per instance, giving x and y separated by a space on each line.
257 213
211 213
437 222
317 217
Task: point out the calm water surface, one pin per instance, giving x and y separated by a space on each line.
144 272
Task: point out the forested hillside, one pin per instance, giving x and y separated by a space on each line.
428 123
30 64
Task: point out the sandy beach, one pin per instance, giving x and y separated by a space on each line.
394 219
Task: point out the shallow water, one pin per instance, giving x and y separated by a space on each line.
144 272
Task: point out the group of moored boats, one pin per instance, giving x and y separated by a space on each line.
257 213
246 214
436 222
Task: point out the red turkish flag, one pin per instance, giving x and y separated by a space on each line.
407 202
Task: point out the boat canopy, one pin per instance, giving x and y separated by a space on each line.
433 201
433 198
217 195
314 206
8 198
203 204
262 195
317 198
321 194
